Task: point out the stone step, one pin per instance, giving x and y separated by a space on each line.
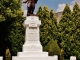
73 58
35 58
32 54
1 58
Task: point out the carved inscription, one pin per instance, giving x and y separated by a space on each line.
33 35
32 27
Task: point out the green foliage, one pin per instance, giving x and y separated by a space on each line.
40 12
48 30
46 14
66 10
76 34
48 26
54 24
2 18
53 48
65 31
9 9
69 31
8 54
11 19
16 36
61 54
67 34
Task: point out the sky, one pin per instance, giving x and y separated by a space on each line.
56 5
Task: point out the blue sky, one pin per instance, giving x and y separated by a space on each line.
52 4
56 5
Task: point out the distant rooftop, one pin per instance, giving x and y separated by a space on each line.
58 16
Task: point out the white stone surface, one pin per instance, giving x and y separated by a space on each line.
33 54
32 37
32 24
32 21
32 48
35 58
55 57
1 58
73 58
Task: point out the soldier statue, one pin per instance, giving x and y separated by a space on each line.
30 6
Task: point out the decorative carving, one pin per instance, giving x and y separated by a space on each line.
32 34
33 48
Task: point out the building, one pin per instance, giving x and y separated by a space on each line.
58 16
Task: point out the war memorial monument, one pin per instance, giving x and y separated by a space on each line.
32 48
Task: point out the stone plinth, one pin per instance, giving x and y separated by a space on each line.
1 58
72 58
35 58
33 54
32 48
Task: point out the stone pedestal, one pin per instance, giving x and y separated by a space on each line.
32 48
32 43
72 58
1 58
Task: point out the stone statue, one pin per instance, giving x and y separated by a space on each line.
30 6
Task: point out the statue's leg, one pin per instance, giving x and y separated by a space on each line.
27 11
28 8
33 7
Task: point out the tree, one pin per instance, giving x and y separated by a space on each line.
2 18
8 55
65 31
69 31
53 48
44 19
11 19
40 12
76 33
48 30
54 24
16 36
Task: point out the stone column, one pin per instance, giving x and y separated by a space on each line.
1 58
72 58
32 37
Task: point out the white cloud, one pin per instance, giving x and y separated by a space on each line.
60 7
78 1
73 2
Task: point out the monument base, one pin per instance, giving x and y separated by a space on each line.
35 58
1 58
32 48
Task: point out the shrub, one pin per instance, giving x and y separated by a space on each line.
53 48
8 54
